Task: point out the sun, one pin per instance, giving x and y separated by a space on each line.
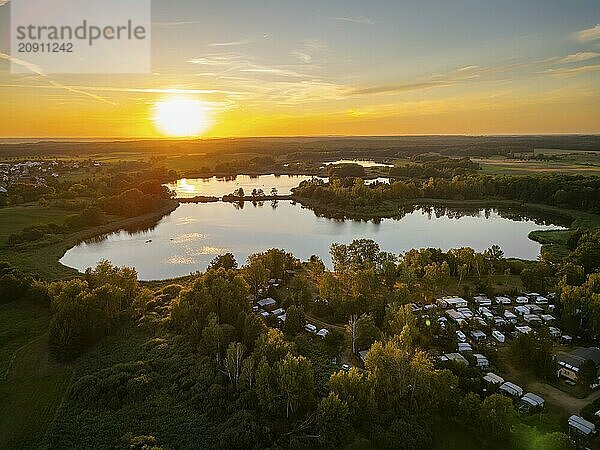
181 116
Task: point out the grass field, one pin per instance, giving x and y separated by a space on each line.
31 385
566 162
14 219
20 323
42 259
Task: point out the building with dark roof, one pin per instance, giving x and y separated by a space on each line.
569 363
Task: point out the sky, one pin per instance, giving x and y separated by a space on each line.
334 67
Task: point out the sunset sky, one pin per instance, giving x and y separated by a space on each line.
335 67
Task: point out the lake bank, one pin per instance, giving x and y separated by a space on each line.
189 238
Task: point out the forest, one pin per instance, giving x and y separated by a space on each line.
189 364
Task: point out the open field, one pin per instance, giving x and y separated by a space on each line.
42 258
31 386
14 219
518 167
21 322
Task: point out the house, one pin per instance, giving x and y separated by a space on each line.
541 300
511 389
466 312
532 318
566 339
531 401
510 317
282 318
485 312
498 336
452 302
580 426
547 318
461 336
569 364
464 347
554 332
499 321
442 321
478 320
458 317
482 300
522 310
454 357
310 328
266 303
478 335
524 329
278 312
522 300
492 378
323 332
501 300
482 361
535 309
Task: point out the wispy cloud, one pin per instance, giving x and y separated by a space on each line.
175 24
238 42
273 71
231 43
302 56
308 50
37 70
399 88
578 57
241 64
589 34
364 20
571 71
218 59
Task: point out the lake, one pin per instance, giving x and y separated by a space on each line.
360 162
220 186
191 236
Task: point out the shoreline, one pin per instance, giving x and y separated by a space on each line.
46 258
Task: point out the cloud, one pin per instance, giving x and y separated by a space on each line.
571 71
232 43
578 57
175 24
399 88
363 20
33 68
238 42
238 63
37 70
273 71
588 35
308 50
218 59
302 56
4 2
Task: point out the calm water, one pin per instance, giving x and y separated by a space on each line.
360 162
220 186
189 238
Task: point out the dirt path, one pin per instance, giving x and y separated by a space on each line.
567 402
